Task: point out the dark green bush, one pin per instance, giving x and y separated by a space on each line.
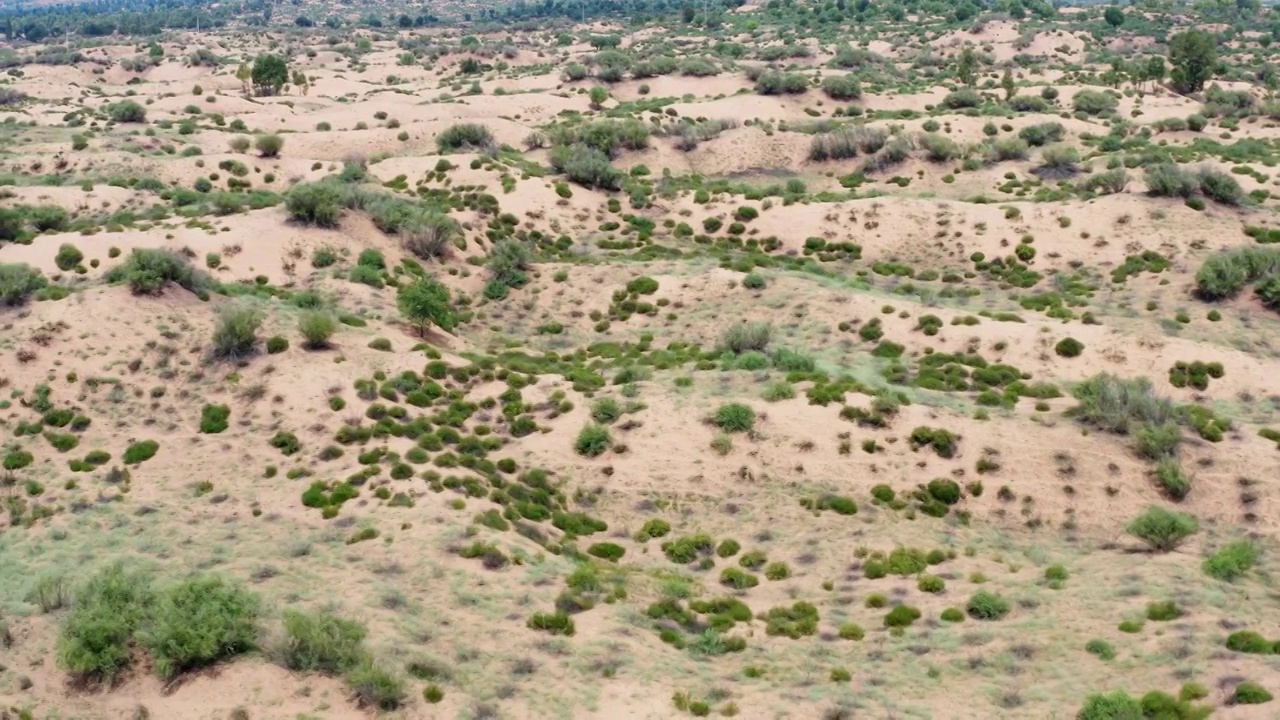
1069 347
140 452
213 418
68 257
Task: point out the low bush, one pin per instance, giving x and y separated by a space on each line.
464 136
1069 347
735 417
18 282
1232 561
985 605
1169 180
68 257
268 146
236 334
376 687
317 328
198 623
93 642
841 87
1163 530
746 337
318 203
140 452
1094 102
213 418
320 642
554 623
592 441
148 271
772 82
1226 272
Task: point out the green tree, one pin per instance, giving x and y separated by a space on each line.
1006 82
1192 54
300 81
270 73
244 74
598 95
426 303
1114 16
1154 70
967 66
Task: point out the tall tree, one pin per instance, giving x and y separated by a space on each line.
1192 54
1006 82
270 73
1114 16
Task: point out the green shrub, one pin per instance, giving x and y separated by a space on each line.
148 270
746 337
1248 641
607 551
285 442
236 334
213 418
18 282
735 417
1232 561
943 442
68 257
1120 406
1116 706
1163 611
930 584
1100 649
738 579
799 620
952 615
319 204
554 623
1069 347
320 642
851 631
944 491
198 623
901 616
316 328
606 410
842 87
985 605
1250 693
93 642
127 111
592 441
1169 180
140 452
1094 102
464 136
1163 530
268 146
276 344
1173 480
772 82
1220 187
375 687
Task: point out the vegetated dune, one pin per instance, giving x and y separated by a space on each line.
444 386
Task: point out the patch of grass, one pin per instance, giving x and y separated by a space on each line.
592 441
93 643
735 417
985 605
